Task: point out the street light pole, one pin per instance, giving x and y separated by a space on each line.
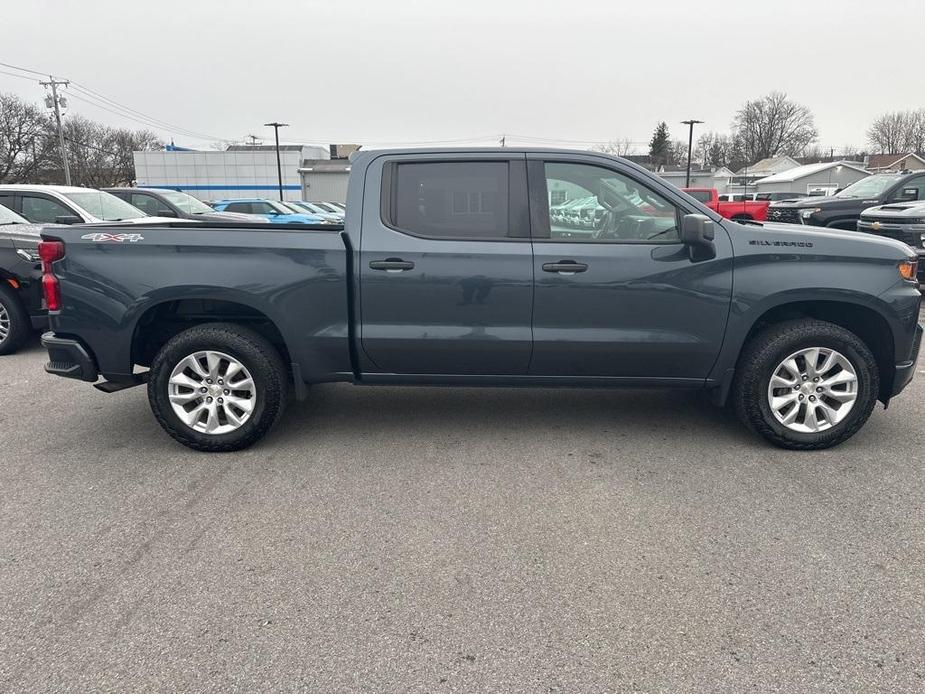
279 167
690 147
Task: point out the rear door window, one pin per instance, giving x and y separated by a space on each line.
146 203
451 200
39 209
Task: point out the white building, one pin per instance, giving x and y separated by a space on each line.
241 171
812 179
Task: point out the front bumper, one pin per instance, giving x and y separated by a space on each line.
906 370
69 358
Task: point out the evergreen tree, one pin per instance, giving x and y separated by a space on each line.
660 145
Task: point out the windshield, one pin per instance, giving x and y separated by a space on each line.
7 216
186 202
293 207
328 208
870 187
283 208
105 206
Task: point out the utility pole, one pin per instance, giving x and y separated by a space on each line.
254 140
279 167
690 147
56 103
503 140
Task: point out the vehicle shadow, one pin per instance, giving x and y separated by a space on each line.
397 411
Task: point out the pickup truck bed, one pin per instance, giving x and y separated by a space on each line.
450 270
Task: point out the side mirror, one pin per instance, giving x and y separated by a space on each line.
68 219
697 230
166 213
697 233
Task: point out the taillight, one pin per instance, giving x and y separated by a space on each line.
49 252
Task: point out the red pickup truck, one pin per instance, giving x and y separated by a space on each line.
741 209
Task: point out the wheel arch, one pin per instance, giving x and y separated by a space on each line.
851 313
158 322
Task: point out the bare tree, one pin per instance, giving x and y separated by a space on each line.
619 148
101 156
889 133
25 139
774 125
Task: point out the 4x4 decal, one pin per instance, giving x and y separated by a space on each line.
112 238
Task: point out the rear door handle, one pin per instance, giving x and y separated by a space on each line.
565 267
391 265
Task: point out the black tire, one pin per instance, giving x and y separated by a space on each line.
257 355
766 350
20 327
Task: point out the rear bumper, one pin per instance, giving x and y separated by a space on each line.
69 358
906 370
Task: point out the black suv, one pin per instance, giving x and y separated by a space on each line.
158 202
842 210
21 305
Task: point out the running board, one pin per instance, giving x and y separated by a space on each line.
131 382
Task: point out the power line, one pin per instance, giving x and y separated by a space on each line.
25 69
144 121
13 74
166 124
101 101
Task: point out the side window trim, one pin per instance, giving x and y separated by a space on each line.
539 203
517 205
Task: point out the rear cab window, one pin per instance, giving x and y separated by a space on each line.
450 200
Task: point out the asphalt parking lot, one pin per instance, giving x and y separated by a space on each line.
425 540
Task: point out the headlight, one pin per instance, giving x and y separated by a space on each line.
807 213
907 269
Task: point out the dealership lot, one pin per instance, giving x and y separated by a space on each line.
414 539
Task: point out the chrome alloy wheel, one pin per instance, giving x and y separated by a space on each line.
212 392
813 390
4 323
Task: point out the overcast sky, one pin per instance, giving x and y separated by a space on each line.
407 71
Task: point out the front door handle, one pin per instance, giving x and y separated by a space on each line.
565 267
391 265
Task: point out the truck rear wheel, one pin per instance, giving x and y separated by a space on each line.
806 384
15 326
217 387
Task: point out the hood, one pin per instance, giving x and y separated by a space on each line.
25 236
303 218
836 242
824 201
897 210
230 217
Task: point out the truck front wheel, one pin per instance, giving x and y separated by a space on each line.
217 387
806 384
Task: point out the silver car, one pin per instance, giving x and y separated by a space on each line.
903 221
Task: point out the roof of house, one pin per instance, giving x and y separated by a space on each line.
889 161
799 172
769 164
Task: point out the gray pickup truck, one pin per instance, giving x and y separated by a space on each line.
450 271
